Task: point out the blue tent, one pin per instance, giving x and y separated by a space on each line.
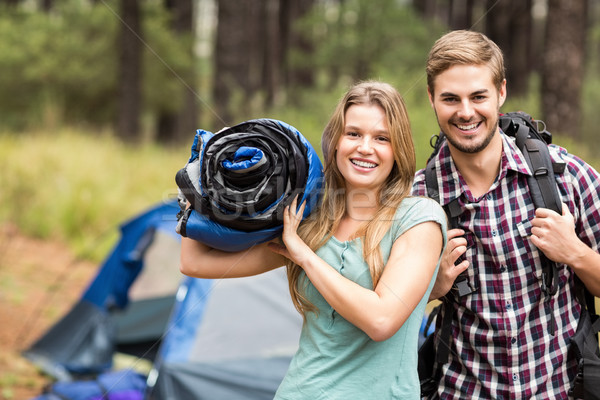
206 339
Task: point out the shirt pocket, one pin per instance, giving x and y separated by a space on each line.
524 229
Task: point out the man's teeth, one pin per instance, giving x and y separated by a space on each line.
363 164
467 127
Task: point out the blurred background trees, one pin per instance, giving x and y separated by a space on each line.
156 70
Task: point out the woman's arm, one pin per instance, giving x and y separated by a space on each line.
201 261
382 311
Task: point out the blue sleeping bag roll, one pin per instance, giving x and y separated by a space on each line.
239 180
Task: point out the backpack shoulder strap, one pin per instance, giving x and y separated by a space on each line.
541 183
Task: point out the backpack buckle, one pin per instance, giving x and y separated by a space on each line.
464 287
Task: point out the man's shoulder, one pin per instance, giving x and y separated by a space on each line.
419 184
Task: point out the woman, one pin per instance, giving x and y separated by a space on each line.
361 266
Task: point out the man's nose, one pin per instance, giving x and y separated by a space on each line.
466 110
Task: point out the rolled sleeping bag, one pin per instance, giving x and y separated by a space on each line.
240 179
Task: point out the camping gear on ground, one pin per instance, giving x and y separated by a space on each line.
117 385
204 339
239 180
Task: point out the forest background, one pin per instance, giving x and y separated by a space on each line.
100 99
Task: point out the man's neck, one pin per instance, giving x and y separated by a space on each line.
479 170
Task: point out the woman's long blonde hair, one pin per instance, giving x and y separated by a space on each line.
321 224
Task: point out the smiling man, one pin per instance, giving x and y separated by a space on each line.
508 337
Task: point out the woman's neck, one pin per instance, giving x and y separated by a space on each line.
361 205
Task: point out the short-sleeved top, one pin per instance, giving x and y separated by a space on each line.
501 344
337 360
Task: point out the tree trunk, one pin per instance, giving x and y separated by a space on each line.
509 25
233 57
175 127
47 5
272 61
297 75
425 8
563 66
461 14
129 80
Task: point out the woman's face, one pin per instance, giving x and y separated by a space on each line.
364 153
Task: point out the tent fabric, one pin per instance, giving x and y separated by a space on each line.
84 340
243 331
240 179
255 379
215 339
81 343
110 287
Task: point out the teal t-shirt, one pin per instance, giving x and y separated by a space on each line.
335 359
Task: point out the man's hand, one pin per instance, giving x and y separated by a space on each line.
457 246
555 236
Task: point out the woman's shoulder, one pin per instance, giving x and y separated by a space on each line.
421 204
417 209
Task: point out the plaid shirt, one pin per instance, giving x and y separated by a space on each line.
501 346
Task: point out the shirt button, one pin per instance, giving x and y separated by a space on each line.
515 377
508 306
494 233
513 340
502 268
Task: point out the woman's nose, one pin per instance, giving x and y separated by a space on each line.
365 145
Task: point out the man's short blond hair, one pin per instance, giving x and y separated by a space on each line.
464 47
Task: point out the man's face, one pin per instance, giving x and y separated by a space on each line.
466 103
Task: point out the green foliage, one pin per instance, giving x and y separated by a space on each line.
357 40
61 68
60 61
77 187
168 63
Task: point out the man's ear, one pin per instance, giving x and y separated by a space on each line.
502 93
430 95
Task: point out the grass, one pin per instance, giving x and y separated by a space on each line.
77 186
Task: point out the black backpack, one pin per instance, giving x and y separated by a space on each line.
533 143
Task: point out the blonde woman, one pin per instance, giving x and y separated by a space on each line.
361 266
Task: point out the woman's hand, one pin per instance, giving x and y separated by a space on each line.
295 249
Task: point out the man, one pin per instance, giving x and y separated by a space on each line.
509 338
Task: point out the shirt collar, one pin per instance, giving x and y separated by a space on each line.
451 184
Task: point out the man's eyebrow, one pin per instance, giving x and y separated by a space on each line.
475 93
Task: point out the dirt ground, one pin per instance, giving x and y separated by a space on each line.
39 281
